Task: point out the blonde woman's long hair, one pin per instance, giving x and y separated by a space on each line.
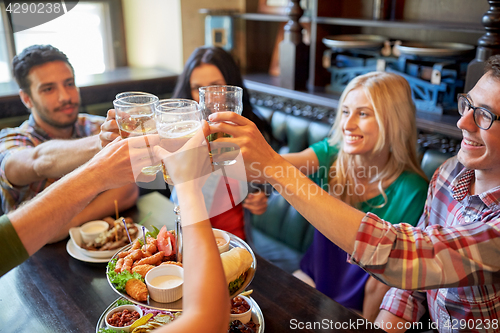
390 96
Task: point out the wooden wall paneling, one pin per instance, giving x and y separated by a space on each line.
251 6
466 11
322 75
357 9
329 8
261 37
423 35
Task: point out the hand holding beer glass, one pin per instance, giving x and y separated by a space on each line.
177 120
135 116
220 99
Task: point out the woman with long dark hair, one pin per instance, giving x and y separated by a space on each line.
214 66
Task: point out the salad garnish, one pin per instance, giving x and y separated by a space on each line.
120 279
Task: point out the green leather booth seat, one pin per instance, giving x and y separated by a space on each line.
281 235
431 160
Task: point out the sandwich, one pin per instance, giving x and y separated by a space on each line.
236 263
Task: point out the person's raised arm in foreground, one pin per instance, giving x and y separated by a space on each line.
36 222
374 244
206 303
103 204
27 164
414 305
49 159
263 162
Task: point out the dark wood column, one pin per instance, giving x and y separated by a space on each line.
294 54
488 44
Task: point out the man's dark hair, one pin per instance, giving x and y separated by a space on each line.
493 66
32 56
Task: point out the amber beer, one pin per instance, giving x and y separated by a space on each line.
220 98
215 136
218 151
135 117
177 121
174 136
137 125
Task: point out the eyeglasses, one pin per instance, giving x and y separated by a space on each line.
483 117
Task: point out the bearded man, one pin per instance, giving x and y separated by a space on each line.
55 140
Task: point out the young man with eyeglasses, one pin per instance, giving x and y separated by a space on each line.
452 255
463 191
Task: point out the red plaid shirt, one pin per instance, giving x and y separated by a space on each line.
453 254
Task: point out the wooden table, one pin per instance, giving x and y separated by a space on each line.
53 292
290 305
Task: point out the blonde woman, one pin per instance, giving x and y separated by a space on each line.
369 162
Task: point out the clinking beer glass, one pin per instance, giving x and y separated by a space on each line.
135 116
220 99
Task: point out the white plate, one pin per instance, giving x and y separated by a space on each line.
75 253
76 237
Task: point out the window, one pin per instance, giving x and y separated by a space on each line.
82 34
90 34
4 55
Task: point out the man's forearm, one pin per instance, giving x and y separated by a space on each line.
56 158
433 257
100 207
113 167
332 217
51 159
48 208
374 294
390 323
